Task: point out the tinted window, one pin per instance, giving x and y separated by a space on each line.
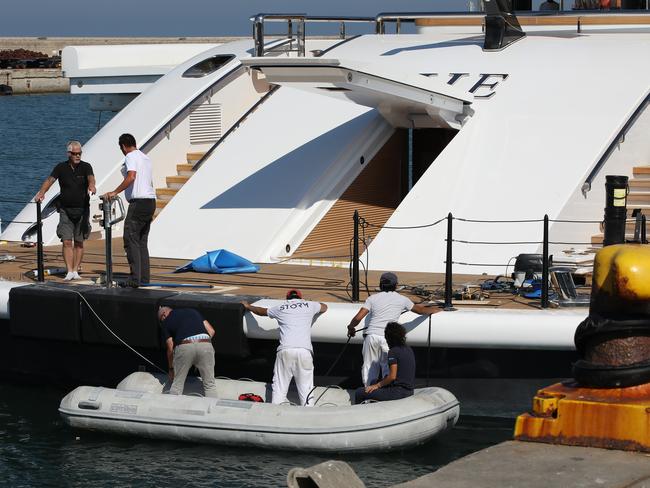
207 66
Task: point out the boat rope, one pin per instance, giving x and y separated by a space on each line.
364 223
428 350
113 333
333 364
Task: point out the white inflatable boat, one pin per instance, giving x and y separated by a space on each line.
138 407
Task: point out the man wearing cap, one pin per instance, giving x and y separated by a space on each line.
381 308
189 343
294 358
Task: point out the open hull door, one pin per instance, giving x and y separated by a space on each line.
404 100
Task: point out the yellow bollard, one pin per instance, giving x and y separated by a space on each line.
608 403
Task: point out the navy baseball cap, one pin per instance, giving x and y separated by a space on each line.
389 279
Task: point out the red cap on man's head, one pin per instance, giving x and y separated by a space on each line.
293 293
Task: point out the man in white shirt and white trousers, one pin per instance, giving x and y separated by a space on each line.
381 308
294 358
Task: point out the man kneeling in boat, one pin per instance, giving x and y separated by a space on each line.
189 343
294 356
401 370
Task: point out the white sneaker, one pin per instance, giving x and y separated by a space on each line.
75 276
69 276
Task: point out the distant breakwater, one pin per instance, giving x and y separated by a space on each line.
48 80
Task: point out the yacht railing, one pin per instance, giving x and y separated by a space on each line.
618 139
299 37
360 223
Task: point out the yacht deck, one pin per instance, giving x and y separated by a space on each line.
321 283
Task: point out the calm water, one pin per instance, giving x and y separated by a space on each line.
37 449
33 132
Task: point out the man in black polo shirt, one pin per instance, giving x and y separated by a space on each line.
189 343
76 181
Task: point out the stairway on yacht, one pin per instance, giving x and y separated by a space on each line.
176 182
637 198
375 193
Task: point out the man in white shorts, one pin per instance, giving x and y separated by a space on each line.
381 308
294 358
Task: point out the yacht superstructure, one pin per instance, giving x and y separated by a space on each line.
405 128
268 147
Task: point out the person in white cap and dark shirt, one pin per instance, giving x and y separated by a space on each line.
380 309
294 358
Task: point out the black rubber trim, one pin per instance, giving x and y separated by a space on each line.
594 375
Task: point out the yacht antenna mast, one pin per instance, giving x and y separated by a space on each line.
501 25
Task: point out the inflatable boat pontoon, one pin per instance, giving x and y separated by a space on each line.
138 407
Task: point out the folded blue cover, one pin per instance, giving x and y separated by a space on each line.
220 261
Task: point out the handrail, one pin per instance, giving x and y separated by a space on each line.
583 18
234 127
259 20
618 139
399 17
171 122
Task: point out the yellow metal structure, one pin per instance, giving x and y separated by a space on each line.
622 271
612 418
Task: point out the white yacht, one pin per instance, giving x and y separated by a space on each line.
266 147
282 140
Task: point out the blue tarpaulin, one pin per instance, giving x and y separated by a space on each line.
220 261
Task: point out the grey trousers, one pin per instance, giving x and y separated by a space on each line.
199 354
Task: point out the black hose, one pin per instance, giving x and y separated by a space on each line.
428 349
334 363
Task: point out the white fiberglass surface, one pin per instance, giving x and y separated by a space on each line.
266 178
397 94
553 107
482 328
143 117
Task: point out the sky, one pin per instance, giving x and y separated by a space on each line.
143 18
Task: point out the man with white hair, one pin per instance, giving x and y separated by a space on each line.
76 181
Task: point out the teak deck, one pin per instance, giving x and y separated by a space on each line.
320 283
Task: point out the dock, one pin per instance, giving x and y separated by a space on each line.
535 465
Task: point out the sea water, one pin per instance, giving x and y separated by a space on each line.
38 449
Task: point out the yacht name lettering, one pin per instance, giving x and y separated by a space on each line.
484 86
294 305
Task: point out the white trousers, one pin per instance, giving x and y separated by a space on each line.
375 359
294 363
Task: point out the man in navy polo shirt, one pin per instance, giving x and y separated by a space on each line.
189 343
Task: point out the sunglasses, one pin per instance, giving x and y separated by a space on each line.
75 153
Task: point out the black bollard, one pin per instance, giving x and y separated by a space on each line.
355 258
108 240
545 265
40 265
616 189
448 272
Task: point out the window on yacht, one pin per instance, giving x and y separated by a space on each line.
207 66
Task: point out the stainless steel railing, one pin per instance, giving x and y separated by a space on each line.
299 20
